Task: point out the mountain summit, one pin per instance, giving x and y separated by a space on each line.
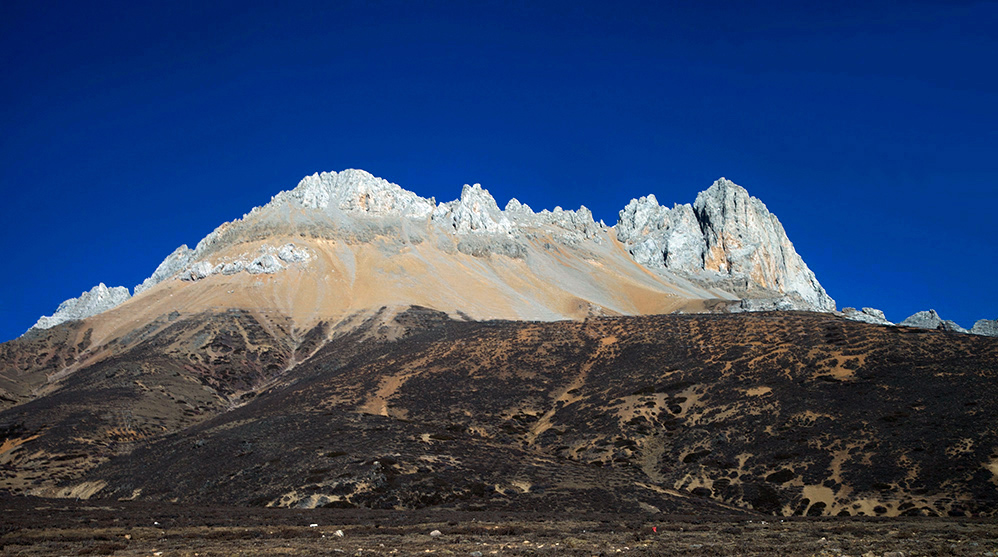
344 242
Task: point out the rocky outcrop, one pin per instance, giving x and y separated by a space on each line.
985 327
725 233
269 260
931 320
475 211
357 191
658 237
98 299
173 264
866 315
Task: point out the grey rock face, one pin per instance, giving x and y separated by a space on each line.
725 233
231 268
931 320
98 299
475 211
569 227
288 253
866 315
579 222
265 264
660 237
173 264
515 208
198 271
268 261
743 237
986 327
358 191
783 303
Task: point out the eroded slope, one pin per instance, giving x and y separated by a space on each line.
786 413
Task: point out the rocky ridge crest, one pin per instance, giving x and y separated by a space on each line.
930 320
98 299
725 240
985 327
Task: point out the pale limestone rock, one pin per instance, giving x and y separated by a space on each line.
931 320
743 238
265 264
725 234
866 315
579 224
173 264
781 303
358 191
289 253
198 271
268 261
231 268
475 211
985 327
514 207
98 299
874 312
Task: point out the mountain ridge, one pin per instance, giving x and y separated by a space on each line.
732 256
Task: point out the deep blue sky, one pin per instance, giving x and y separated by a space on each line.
869 128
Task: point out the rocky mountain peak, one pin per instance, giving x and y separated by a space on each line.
98 299
725 233
724 246
929 319
744 238
357 191
475 211
662 238
514 207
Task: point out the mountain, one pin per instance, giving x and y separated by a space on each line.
353 344
345 242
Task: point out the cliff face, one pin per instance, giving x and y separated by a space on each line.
726 237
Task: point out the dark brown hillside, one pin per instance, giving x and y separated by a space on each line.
26 363
131 390
786 413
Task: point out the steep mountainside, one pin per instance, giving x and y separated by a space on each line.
780 412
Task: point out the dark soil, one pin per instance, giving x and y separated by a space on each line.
31 526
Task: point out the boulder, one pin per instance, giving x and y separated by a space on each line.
930 320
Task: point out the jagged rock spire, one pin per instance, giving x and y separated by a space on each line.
727 233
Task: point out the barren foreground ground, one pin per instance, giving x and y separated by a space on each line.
30 526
